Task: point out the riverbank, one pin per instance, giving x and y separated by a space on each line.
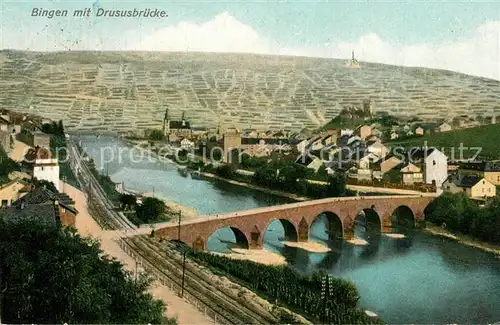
187 213
256 187
463 239
261 256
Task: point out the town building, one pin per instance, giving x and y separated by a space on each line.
232 140
445 127
56 208
42 165
40 139
187 144
384 166
488 170
5 141
175 130
419 131
377 148
473 185
310 162
5 124
364 131
412 174
11 192
433 162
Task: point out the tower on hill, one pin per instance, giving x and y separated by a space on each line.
353 62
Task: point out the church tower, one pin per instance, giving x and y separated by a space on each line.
166 123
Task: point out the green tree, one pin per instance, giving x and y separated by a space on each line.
157 135
336 185
7 166
60 128
52 275
226 171
151 210
44 183
128 201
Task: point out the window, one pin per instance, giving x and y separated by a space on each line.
41 168
63 210
464 189
434 163
447 187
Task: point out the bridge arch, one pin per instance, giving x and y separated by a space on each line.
367 221
224 234
332 224
403 216
290 232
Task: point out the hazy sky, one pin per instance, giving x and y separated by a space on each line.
457 35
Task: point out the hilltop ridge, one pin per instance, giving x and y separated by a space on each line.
123 91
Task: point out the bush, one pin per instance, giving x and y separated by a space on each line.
299 292
226 171
461 214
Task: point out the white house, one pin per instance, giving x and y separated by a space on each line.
301 146
5 124
364 162
317 145
473 186
187 144
43 165
347 132
309 161
445 127
378 149
412 174
435 164
394 135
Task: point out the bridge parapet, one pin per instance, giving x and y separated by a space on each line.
249 226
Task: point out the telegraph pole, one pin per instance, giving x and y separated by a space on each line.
64 181
323 299
179 228
136 270
183 271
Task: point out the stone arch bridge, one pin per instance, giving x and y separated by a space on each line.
249 226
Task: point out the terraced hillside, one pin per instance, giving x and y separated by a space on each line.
130 90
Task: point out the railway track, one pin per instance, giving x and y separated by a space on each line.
165 263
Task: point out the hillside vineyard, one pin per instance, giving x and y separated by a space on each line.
123 91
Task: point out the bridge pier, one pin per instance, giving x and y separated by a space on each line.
349 234
387 226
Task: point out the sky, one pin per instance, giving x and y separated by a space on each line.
462 36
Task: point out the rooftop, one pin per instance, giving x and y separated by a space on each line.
180 125
37 153
464 180
47 212
484 166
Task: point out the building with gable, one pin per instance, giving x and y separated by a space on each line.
42 166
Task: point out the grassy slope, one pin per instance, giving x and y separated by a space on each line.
486 137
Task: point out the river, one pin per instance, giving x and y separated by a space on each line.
418 279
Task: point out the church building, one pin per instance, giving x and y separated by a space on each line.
176 130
